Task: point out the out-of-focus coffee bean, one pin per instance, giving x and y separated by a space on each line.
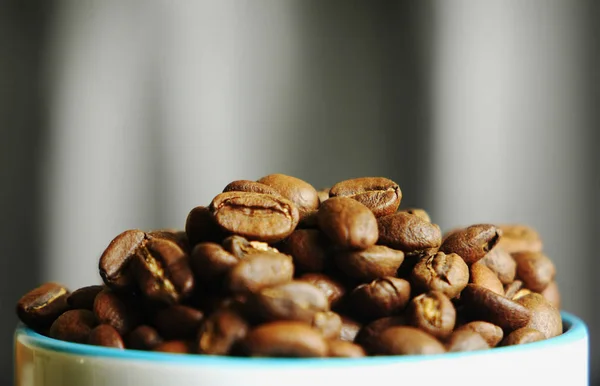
200 226
143 338
350 328
368 333
328 323
348 223
544 317
441 272
308 248
175 347
210 263
522 336
260 270
511 289
178 322
490 332
40 307
417 212
382 297
552 294
381 195
472 243
105 335
368 264
333 289
221 331
501 263
300 192
483 276
285 339
404 340
535 269
294 300
408 233
323 194
115 260
343 349
466 340
433 313
83 298
115 310
519 238
73 326
241 247
250 187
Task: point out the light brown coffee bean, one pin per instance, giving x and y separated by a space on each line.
483 276
250 187
544 317
143 337
221 331
178 322
472 243
294 300
300 192
404 340
441 272
350 328
501 263
382 297
73 326
552 294
308 248
522 336
328 323
511 289
418 212
344 349
40 307
105 335
408 233
175 347
519 238
332 288
490 332
285 339
117 311
260 270
84 297
368 264
368 334
535 269
466 340
347 223
433 313
210 263
323 194
381 195
201 227
115 260
240 247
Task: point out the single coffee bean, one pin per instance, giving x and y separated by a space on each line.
350 328
250 187
441 272
178 322
143 338
174 235
368 264
241 247
73 326
544 317
488 306
328 323
40 307
511 289
221 331
472 243
332 288
483 276
210 263
348 223
519 238
379 194
522 336
117 311
408 233
294 300
83 298
382 297
285 339
343 349
175 347
255 216
418 212
368 333
323 194
300 192
115 260
535 269
308 248
200 226
501 263
490 332
260 270
404 340
466 340
433 313
105 335
552 294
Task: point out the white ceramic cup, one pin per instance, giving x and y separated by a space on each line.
43 361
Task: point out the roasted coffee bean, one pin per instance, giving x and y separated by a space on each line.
522 336
285 339
178 322
348 223
379 194
418 212
535 269
343 349
519 238
308 248
466 340
178 237
250 187
221 331
328 323
382 297
511 290
350 328
368 333
114 262
84 297
117 311
552 294
488 306
200 226
300 192
490 332
472 243
501 263
260 270
294 300
483 276
105 335
323 194
441 272
368 264
544 317
255 216
143 338
433 313
175 347
241 247
404 340
73 326
40 307
408 233
333 289
210 263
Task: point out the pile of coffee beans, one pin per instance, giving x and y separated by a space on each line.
276 268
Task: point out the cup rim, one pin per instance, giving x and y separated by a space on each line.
574 330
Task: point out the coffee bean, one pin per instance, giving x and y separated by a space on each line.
285 339
178 237
433 313
210 263
178 322
40 307
250 187
333 289
404 340
466 340
519 238
511 289
441 272
418 212
114 262
350 328
143 338
544 317
260 270
175 347
368 334
343 349
368 264
328 323
294 300
552 294
382 297
347 223
501 263
300 192
221 331
241 247
105 335
483 276
490 332
535 269
255 216
472 243
73 326
200 226
308 248
381 195
323 194
83 298
121 313
522 336
408 233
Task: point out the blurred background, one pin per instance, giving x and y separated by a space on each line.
117 115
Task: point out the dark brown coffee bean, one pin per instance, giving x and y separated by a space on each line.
343 349
143 338
175 347
309 220
174 235
418 212
40 307
490 307
441 272
483 276
348 223
300 192
200 226
285 339
73 326
433 313
114 262
501 263
519 238
308 248
221 331
379 194
210 263
294 300
544 317
552 294
260 270
255 216
332 288
511 289
250 187
466 340
535 269
178 322
368 333
350 328
328 323
490 332
84 297
404 340
105 335
382 297
368 264
408 233
522 336
323 194
472 243
241 247
121 313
